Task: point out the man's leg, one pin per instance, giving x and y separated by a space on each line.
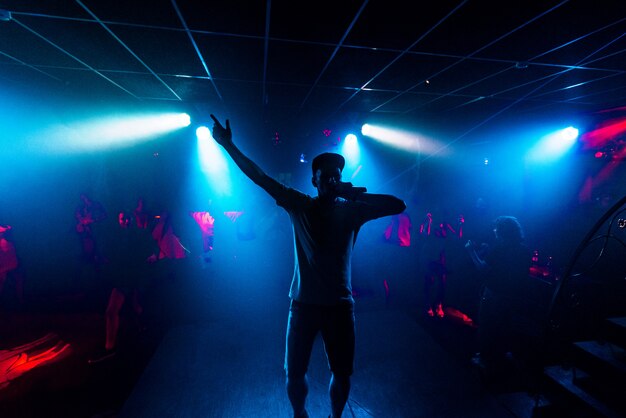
339 337
301 331
339 390
112 316
297 390
112 324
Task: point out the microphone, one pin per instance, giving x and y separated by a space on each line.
347 190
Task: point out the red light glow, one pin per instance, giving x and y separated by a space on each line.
16 361
604 134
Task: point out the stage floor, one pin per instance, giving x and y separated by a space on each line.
214 348
233 368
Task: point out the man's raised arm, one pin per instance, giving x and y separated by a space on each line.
380 204
384 203
224 137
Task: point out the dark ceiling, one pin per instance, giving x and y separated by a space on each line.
450 61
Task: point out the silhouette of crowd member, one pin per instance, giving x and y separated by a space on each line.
325 229
399 230
426 226
206 223
505 268
9 262
143 218
170 285
130 251
479 219
435 263
87 214
169 243
460 223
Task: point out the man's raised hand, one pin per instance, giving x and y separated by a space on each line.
222 136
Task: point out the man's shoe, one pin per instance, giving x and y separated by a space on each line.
440 312
102 356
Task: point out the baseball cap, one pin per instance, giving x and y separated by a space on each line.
328 160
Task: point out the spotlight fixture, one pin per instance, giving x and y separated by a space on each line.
570 133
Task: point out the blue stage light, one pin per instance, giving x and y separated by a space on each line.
351 150
553 146
570 133
412 142
213 162
108 131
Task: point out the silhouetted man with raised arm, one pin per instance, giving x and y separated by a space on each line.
325 230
